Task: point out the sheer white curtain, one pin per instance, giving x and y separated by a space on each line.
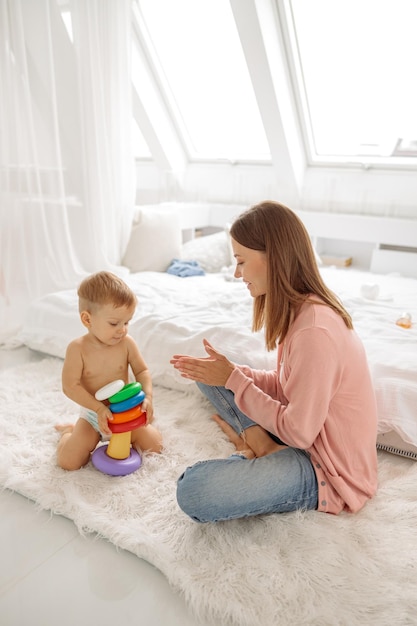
67 170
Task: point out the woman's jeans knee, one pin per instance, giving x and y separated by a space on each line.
237 487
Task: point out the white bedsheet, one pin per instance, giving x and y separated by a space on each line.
175 314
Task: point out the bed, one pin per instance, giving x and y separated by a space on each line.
175 313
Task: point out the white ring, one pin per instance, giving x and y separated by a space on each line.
109 390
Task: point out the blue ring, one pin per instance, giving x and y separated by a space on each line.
125 405
115 467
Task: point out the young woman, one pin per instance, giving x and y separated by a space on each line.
305 433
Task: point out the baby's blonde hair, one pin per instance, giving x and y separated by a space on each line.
104 288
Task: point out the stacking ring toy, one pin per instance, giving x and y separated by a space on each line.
126 416
124 405
127 391
115 467
118 458
126 427
109 390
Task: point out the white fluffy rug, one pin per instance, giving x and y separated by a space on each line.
294 569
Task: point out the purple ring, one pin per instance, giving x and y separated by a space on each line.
115 467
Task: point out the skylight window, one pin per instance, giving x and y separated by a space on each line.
206 81
66 16
355 63
140 147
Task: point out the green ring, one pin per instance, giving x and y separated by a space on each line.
128 391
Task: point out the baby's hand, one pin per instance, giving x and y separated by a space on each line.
103 415
147 408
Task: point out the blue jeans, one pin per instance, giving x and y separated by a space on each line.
224 489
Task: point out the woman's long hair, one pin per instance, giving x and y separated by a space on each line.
292 271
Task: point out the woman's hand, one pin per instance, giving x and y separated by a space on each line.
212 370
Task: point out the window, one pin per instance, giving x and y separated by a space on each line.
140 147
66 16
202 69
354 66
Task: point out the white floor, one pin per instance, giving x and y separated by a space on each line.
50 575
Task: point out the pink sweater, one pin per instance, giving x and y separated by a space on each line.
319 399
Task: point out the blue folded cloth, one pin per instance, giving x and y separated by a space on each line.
185 268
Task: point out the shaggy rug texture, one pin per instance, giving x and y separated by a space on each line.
304 568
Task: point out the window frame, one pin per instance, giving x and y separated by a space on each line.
396 162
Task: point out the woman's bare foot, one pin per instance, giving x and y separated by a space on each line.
240 445
261 442
255 441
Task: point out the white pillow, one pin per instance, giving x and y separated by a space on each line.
212 252
154 241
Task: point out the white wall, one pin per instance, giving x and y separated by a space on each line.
367 192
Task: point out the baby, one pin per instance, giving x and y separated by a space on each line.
102 355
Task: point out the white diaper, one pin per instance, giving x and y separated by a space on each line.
92 418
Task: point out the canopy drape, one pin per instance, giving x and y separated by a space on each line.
67 186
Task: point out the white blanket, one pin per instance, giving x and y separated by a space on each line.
298 568
175 314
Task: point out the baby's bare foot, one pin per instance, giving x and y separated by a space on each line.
64 428
240 445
